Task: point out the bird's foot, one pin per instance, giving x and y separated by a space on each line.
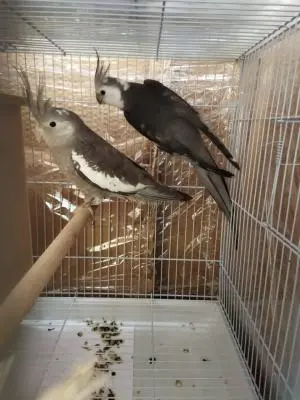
92 204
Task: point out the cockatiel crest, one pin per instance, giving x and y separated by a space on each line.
109 90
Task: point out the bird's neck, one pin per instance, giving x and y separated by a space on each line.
131 96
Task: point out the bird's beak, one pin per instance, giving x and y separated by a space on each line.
99 98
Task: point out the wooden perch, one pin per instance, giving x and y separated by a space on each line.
22 297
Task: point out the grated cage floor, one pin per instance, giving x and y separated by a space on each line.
171 349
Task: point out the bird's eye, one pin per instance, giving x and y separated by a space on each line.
102 92
52 124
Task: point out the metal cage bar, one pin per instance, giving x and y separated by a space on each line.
160 29
260 290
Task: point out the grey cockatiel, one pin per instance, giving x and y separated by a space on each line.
92 164
166 119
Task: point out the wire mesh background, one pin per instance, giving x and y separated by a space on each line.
198 29
173 251
133 249
260 286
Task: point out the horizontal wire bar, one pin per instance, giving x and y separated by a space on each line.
286 242
78 292
124 258
64 183
188 7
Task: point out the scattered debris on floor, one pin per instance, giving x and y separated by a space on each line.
178 383
205 359
192 326
152 360
186 350
87 348
109 332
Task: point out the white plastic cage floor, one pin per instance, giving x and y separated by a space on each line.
193 354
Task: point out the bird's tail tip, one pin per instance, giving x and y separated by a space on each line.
184 197
163 193
235 163
234 225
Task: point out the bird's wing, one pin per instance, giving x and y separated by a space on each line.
182 137
104 176
185 110
103 166
179 137
135 119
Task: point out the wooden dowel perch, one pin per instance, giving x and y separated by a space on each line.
22 297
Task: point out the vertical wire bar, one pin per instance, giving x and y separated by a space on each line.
255 252
93 224
117 220
168 220
269 255
238 268
117 247
177 247
77 240
101 221
125 245
61 199
254 227
202 205
238 125
226 261
272 308
262 202
287 271
221 290
243 277
153 263
180 216
192 248
36 82
139 251
169 248
52 186
133 236
109 244
147 246
163 210
243 271
217 220
86 226
227 242
259 365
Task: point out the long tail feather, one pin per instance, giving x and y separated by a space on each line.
217 187
160 192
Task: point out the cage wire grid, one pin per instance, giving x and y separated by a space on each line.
155 29
132 250
260 291
256 101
